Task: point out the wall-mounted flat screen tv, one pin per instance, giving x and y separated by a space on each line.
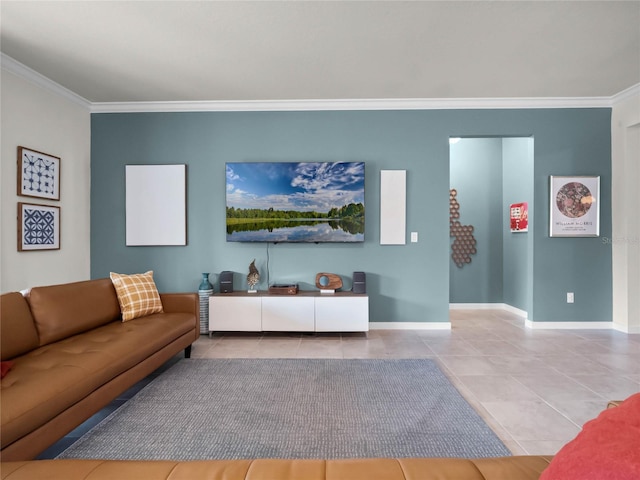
295 202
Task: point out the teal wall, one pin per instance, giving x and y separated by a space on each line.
407 283
579 265
517 187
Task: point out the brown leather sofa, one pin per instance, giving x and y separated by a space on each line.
72 355
504 468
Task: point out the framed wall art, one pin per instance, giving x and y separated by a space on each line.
38 174
156 208
519 217
38 227
574 206
393 207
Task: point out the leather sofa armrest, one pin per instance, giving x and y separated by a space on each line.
183 303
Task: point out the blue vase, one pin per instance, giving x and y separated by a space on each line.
205 284
204 291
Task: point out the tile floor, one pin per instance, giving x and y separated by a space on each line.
535 388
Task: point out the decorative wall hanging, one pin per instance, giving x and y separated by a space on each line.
38 227
519 217
393 207
156 205
38 174
574 206
464 243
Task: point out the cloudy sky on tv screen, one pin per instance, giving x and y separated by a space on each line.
279 202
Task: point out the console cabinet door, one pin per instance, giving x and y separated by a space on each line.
288 314
234 314
342 314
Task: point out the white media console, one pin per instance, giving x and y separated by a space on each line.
303 312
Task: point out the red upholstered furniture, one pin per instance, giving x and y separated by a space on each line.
607 448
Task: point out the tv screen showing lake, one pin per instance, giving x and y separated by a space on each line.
295 202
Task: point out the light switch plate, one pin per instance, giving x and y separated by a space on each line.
414 237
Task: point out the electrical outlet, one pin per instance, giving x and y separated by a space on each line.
414 237
569 297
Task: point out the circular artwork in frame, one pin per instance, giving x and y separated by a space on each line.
574 206
574 199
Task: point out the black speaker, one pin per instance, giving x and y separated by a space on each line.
226 282
359 282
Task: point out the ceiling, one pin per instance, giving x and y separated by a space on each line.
159 51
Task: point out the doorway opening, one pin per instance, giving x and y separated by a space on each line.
489 264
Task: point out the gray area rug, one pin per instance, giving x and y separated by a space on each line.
281 408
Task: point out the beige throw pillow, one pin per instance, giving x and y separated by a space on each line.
137 294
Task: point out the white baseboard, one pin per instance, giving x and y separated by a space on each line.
542 325
516 311
501 306
488 306
569 325
623 329
476 306
409 325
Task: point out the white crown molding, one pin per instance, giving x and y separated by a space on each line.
21 70
626 94
26 73
364 104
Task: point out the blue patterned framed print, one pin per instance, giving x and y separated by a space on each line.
38 227
38 174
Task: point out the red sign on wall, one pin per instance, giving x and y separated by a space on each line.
519 216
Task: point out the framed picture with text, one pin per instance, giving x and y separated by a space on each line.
38 227
38 174
574 206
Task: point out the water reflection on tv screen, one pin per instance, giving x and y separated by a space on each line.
295 202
